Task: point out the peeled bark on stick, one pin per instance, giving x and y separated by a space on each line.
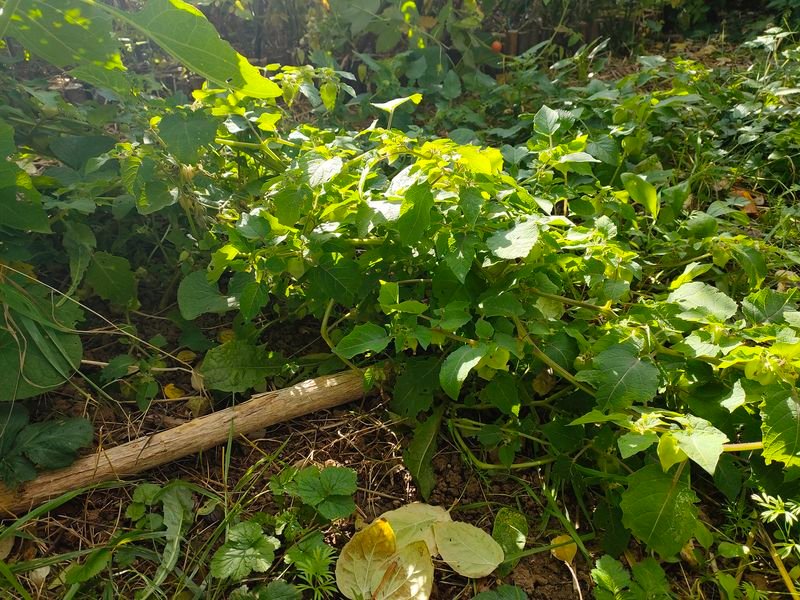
198 434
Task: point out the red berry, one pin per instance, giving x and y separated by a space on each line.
497 46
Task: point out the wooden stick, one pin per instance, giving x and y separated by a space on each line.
198 434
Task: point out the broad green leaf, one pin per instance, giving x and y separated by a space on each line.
516 242
611 577
415 386
277 590
659 508
768 306
368 337
415 213
185 134
632 443
451 87
112 279
701 441
13 419
418 456
470 551
184 32
7 144
623 379
502 392
66 32
504 592
54 444
20 203
237 366
752 262
252 295
197 296
736 398
26 371
320 170
457 366
246 549
76 150
364 559
642 192
546 121
461 254
510 530
329 490
701 301
669 454
650 581
484 161
780 426
335 277
414 522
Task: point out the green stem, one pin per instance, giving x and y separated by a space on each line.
531 551
570 301
743 447
549 361
325 333
491 466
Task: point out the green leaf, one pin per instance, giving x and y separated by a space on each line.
780 426
701 441
451 87
368 337
54 444
650 581
65 32
252 295
197 296
502 392
642 192
7 144
20 203
112 279
415 213
321 171
701 301
335 277
546 121
415 386
659 509
623 379
752 262
610 576
457 366
247 549
185 134
516 242
329 490
76 150
510 530
392 105
237 366
184 32
79 242
418 456
632 443
767 306
95 563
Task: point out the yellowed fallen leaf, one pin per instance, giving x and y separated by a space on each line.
408 575
5 547
567 551
364 559
198 405
172 391
186 356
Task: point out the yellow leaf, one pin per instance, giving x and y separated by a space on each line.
172 391
186 356
225 335
566 552
364 559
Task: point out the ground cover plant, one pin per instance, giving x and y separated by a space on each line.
585 286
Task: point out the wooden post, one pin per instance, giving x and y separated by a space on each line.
198 434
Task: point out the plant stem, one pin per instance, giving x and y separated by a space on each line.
325 333
787 579
570 301
549 361
743 447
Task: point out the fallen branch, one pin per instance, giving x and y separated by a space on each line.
198 434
